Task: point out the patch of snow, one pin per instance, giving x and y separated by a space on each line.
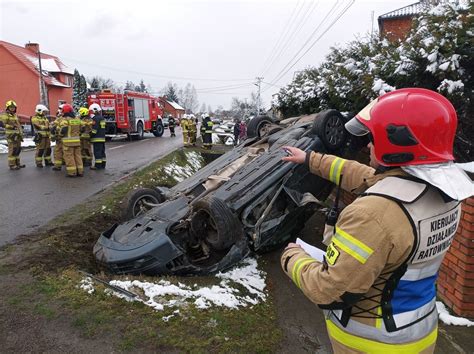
448 319
380 87
225 294
444 66
87 285
450 86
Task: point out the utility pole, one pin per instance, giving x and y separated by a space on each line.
43 96
372 26
259 81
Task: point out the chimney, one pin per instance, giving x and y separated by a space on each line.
34 47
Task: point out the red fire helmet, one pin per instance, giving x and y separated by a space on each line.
67 108
410 126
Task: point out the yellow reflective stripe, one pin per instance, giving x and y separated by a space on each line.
71 168
371 346
12 158
378 321
98 161
351 245
72 140
336 169
98 140
296 272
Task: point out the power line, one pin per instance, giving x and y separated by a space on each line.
153 74
288 66
311 7
227 87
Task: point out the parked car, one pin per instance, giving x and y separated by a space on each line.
248 200
165 121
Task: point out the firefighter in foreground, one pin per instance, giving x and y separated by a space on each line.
86 147
98 137
171 125
42 137
56 137
192 130
206 132
70 131
185 127
377 280
14 135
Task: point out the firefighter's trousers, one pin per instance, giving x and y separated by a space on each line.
43 152
99 155
14 149
58 154
192 137
73 158
172 133
185 137
86 151
207 140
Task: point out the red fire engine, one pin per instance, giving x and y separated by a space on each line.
132 113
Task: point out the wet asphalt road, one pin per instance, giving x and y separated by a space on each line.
31 197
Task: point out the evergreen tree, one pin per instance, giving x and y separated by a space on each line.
171 92
83 91
129 85
76 90
141 87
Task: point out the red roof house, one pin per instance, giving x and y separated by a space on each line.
20 78
397 24
171 108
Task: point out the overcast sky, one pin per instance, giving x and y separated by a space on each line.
219 46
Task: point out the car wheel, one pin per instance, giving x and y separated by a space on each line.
215 223
140 130
139 201
259 126
329 126
159 130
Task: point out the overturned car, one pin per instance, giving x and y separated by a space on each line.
246 200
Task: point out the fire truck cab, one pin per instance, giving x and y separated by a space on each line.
131 113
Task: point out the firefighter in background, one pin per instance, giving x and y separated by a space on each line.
171 125
185 127
206 132
192 130
55 136
98 137
377 281
42 139
86 147
14 135
70 132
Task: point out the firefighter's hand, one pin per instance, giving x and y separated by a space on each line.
294 154
292 245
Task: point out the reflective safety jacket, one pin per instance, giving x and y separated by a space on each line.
71 131
184 125
98 129
13 129
86 130
377 281
171 122
192 125
41 125
56 128
206 126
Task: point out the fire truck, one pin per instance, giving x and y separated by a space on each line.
131 113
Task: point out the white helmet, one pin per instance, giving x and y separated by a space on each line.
41 109
95 108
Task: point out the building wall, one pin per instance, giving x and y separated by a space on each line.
56 94
396 28
19 83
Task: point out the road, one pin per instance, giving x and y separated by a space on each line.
31 197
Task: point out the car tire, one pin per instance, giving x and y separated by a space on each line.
256 127
328 125
159 130
133 203
215 223
140 131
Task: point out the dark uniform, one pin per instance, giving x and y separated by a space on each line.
41 127
171 125
98 141
206 132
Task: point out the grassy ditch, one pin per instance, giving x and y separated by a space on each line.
43 277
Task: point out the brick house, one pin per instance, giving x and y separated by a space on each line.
20 78
171 108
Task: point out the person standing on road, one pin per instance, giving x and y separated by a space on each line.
192 130
171 125
377 280
236 132
71 137
185 127
14 135
42 139
86 148
98 137
206 132
55 136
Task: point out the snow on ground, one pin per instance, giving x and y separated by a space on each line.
26 143
242 286
450 319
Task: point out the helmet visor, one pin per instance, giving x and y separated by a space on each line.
356 128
